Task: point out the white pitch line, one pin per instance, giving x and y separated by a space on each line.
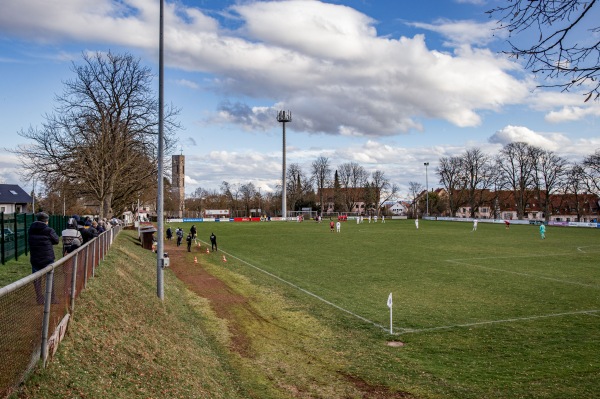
591 312
457 261
307 292
587 246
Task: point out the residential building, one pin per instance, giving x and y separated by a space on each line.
13 199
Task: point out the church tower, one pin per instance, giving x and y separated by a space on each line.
178 183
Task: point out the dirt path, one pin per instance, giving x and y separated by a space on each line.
226 304
222 299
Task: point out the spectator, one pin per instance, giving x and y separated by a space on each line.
189 242
75 243
101 228
69 234
42 238
213 242
179 233
88 232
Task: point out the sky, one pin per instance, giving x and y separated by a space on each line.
389 85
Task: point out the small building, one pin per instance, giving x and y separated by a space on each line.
13 199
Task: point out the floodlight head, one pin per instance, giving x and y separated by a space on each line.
284 116
426 163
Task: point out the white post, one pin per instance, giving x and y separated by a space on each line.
390 305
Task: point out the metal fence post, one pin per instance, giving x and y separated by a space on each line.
16 237
2 256
46 322
85 266
74 281
94 257
26 233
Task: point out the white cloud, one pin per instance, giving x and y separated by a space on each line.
548 141
566 114
187 83
323 61
463 32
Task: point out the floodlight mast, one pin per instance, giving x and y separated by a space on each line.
427 187
283 117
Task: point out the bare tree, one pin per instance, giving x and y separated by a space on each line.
591 168
353 178
414 189
478 177
556 48
248 193
383 189
451 175
299 186
321 171
549 171
102 134
576 186
515 172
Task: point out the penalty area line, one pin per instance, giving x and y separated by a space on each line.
306 291
532 275
592 312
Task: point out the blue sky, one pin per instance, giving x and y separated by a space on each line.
387 84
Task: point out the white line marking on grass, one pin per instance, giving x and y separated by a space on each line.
480 323
588 246
461 262
306 292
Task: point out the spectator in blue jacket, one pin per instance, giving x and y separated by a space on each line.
42 239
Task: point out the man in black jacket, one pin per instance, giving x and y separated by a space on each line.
42 239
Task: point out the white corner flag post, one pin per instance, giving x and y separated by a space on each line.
389 303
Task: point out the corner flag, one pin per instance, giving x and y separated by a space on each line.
389 303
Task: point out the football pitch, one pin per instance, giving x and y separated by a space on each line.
493 310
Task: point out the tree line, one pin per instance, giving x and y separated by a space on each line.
350 183
525 171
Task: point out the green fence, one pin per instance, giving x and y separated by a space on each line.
14 228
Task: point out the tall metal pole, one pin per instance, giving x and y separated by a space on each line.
283 182
160 291
283 117
33 199
427 186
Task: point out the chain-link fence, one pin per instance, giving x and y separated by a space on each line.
14 228
35 310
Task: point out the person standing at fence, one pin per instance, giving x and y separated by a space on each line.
69 234
189 242
42 239
213 242
88 232
179 233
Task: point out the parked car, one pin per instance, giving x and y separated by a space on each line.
7 235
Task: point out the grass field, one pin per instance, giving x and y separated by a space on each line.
493 312
488 314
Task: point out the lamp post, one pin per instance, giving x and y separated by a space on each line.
283 117
426 187
160 289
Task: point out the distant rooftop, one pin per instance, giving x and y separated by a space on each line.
14 194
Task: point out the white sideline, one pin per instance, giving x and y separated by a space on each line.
306 291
